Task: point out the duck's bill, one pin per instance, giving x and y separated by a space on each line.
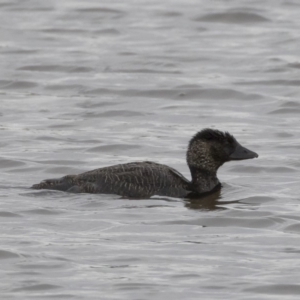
241 152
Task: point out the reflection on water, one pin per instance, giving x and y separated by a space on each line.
88 84
207 202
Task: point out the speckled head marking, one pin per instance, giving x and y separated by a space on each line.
209 149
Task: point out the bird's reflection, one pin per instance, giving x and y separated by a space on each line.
207 202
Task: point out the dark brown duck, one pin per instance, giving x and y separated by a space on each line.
207 151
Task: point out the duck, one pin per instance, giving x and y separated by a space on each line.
207 151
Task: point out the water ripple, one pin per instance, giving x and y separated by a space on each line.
233 17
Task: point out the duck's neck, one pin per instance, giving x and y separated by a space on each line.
204 181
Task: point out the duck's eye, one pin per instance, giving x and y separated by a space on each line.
230 143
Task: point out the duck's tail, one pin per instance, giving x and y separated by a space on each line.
60 184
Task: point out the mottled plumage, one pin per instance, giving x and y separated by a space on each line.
207 151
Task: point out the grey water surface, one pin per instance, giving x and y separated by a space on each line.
86 84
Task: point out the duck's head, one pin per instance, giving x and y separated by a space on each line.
209 149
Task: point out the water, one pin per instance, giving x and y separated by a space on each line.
85 84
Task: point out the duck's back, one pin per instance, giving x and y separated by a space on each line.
137 180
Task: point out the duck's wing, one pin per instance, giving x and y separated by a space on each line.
68 181
137 180
175 173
